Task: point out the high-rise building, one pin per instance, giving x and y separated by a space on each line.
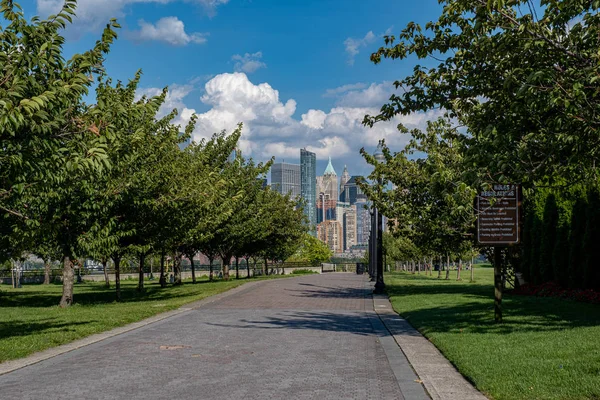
285 178
327 194
349 227
331 233
352 192
308 187
363 222
343 180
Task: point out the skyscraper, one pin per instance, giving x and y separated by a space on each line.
285 178
330 232
349 227
352 192
363 222
327 194
344 178
308 187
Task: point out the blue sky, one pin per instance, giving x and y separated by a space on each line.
297 73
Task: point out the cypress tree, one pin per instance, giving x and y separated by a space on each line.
575 243
534 259
560 254
548 238
526 244
591 241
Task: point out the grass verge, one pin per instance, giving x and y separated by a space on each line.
545 349
31 321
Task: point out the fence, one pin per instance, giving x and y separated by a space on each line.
130 272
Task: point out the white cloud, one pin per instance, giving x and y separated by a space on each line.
248 63
170 30
343 89
353 45
92 15
272 129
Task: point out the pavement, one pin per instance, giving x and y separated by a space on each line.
311 337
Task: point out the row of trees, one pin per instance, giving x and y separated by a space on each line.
562 233
515 85
110 179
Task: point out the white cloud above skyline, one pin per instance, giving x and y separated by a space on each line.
271 127
170 30
248 63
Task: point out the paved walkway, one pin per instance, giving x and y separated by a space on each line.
312 337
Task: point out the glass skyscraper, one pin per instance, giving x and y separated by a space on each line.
285 178
308 187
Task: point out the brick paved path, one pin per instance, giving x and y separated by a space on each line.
312 337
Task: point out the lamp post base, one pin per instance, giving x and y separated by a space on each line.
379 288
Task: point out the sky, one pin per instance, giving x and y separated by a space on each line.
297 73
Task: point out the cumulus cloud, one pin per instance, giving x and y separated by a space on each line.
169 30
92 15
248 63
272 128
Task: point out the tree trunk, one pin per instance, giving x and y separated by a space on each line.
47 271
471 266
105 271
68 277
140 287
247 267
210 269
177 268
191 258
237 270
447 267
440 267
419 267
459 268
163 278
266 268
225 267
117 261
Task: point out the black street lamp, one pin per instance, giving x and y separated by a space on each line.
379 284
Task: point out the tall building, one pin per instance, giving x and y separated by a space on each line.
344 178
285 178
352 192
327 193
331 233
308 187
349 227
363 222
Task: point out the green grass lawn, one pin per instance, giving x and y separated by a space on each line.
545 348
31 321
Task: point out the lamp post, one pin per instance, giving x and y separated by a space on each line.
379 284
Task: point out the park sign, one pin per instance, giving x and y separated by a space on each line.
498 215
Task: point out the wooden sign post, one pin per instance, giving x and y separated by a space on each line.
498 225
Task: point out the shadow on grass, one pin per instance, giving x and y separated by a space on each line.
14 329
470 308
94 294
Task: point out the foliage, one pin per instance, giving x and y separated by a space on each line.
312 250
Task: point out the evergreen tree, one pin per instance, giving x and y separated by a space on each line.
591 239
534 264
575 243
560 253
548 238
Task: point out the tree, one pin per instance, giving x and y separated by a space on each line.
312 251
548 234
522 86
52 151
